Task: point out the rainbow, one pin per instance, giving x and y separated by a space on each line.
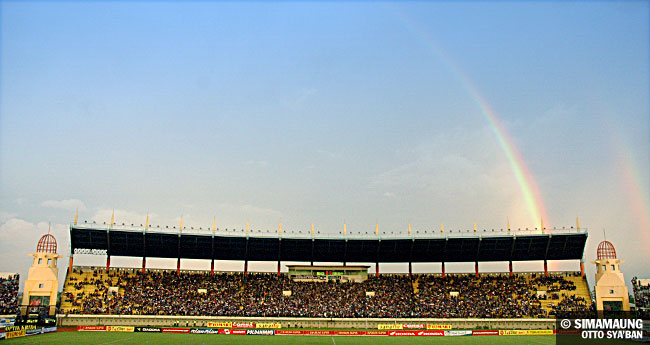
635 187
524 177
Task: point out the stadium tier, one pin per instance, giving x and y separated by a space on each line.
9 283
92 290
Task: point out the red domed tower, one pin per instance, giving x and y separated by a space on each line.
47 244
611 291
43 278
606 250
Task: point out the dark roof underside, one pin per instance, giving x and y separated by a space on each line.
451 249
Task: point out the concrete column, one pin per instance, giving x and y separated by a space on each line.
582 267
178 267
410 270
144 264
278 268
377 269
545 268
510 266
70 264
108 263
443 269
212 267
476 268
245 268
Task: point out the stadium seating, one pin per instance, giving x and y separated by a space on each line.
9 294
163 292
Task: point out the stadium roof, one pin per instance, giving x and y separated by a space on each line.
140 243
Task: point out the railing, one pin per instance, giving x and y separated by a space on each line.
102 269
352 235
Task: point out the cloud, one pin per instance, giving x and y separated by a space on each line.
67 205
454 171
5 216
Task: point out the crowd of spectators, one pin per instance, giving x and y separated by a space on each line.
266 294
9 294
641 297
489 297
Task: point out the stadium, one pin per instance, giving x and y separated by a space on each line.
309 303
324 172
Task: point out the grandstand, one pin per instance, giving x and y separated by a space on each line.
130 291
89 290
9 283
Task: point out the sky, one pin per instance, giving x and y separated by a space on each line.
363 113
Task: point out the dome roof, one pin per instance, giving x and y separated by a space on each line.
47 244
606 250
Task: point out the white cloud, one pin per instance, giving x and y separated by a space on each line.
5 216
457 171
68 205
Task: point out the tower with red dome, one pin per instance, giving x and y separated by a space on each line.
43 278
611 291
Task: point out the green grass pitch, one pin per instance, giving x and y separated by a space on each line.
109 338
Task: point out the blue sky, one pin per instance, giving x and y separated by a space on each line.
322 112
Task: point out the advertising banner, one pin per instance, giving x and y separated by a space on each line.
148 329
204 331
219 324
539 332
414 326
176 330
49 329
512 332
319 332
15 334
485 332
20 331
390 326
7 321
260 332
232 331
120 328
268 325
243 325
288 332
34 331
402 333
91 328
2 335
431 333
374 333
436 326
350 333
457 333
